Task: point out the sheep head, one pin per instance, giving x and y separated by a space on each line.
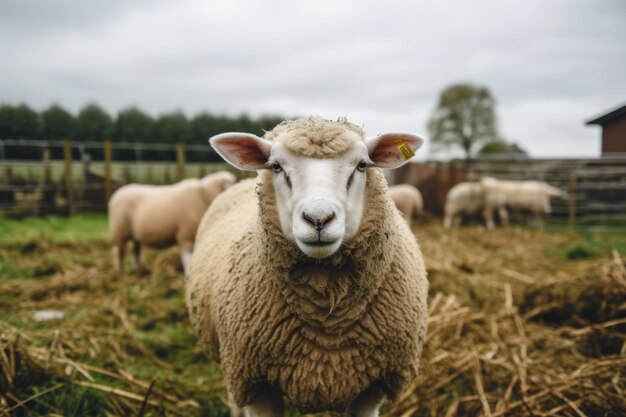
220 180
319 175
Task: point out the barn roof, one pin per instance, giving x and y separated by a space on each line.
607 117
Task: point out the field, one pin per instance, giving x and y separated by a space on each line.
522 323
145 172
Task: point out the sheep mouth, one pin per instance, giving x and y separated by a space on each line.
320 243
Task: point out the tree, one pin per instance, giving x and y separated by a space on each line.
94 124
7 122
133 125
205 125
19 122
58 123
173 128
464 117
502 148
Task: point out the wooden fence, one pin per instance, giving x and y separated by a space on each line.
596 188
77 183
64 177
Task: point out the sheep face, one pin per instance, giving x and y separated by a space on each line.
320 201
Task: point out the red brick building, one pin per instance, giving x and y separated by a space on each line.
613 131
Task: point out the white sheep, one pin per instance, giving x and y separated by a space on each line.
532 197
464 199
161 215
408 200
307 283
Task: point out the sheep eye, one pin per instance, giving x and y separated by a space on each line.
362 165
276 167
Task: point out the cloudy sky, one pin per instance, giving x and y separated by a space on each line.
551 65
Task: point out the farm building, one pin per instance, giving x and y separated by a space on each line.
613 126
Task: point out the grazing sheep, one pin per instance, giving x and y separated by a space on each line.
408 200
307 283
464 199
161 215
532 197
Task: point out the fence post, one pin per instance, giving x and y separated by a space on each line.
7 192
67 157
47 172
49 189
180 160
571 194
107 171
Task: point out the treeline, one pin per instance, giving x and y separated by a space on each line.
131 125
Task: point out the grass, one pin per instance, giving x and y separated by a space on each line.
88 227
143 171
133 329
505 305
587 243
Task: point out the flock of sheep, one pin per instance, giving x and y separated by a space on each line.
305 283
483 198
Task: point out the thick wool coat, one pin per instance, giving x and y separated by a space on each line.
320 331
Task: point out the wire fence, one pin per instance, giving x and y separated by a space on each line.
68 177
595 187
63 177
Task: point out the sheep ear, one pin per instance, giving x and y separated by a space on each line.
392 150
242 150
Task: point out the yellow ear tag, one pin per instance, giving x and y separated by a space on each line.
405 150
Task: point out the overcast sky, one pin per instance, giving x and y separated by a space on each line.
551 65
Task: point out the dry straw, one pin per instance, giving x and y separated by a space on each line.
513 331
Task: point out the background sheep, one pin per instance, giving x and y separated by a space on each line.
408 200
161 215
311 287
531 197
464 199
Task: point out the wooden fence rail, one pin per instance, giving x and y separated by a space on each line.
65 179
596 188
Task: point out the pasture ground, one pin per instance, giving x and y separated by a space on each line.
522 323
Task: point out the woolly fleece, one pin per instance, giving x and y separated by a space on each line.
315 137
408 200
161 215
323 331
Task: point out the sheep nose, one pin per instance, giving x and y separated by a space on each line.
318 222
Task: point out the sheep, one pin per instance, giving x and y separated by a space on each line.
528 196
464 199
306 283
408 200
161 215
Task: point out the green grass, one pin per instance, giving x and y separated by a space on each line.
144 171
86 227
589 243
68 400
9 268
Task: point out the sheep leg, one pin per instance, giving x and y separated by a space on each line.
137 256
456 221
488 216
367 403
185 257
118 256
504 216
268 404
235 410
447 221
